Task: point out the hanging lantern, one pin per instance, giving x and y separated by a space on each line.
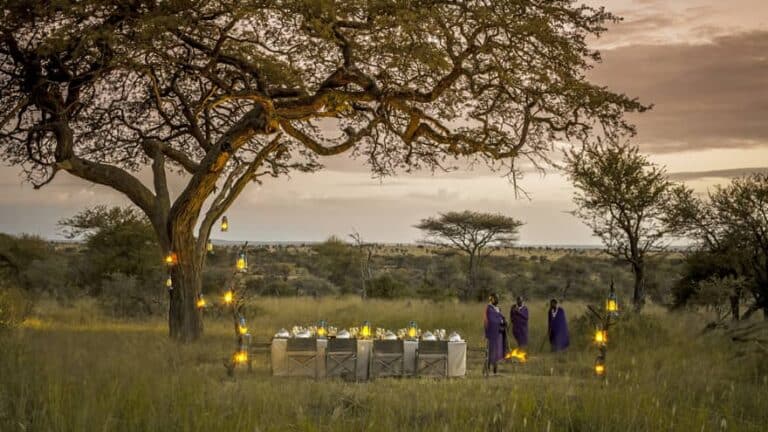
209 246
600 367
612 302
241 327
228 297
241 356
322 329
200 302
242 262
169 282
172 258
224 224
413 330
365 330
601 336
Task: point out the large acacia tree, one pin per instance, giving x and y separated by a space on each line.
473 233
223 92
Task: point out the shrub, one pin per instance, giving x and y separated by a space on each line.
14 307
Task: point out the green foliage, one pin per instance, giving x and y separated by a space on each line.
123 297
15 305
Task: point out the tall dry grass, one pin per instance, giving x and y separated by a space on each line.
72 370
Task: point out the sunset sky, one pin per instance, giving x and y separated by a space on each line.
702 63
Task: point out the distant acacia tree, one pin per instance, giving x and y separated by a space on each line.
622 197
731 223
473 233
224 93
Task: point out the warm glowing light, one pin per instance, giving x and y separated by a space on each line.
172 259
241 357
599 369
322 332
242 329
169 282
209 246
611 305
518 354
200 302
241 263
228 297
224 224
365 331
601 336
413 330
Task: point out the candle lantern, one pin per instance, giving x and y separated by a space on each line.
200 302
172 258
601 337
365 330
169 282
224 224
209 246
242 328
322 329
242 262
229 296
241 356
612 302
413 330
600 367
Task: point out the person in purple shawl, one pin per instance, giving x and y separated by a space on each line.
495 332
518 316
558 327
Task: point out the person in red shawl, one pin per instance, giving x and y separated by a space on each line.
495 332
518 316
557 327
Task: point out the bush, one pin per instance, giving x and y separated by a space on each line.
14 307
122 297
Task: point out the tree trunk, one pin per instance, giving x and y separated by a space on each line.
185 321
470 292
735 312
638 297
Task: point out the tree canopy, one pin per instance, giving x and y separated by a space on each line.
226 92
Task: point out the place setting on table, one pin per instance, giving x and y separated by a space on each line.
366 352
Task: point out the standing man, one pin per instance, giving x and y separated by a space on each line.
557 327
495 332
518 316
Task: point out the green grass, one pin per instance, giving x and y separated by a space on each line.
72 370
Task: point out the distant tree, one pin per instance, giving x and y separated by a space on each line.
17 252
118 240
365 250
227 92
621 196
473 233
730 223
336 261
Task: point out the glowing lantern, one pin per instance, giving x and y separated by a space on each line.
600 368
601 336
322 329
241 356
172 258
365 331
169 282
612 302
242 262
209 246
228 297
224 224
241 327
200 302
413 330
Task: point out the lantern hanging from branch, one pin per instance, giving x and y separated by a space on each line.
229 296
242 262
200 301
242 328
241 356
600 368
171 259
224 224
169 282
601 336
612 302
366 330
209 246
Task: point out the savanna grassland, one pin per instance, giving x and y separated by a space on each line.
74 369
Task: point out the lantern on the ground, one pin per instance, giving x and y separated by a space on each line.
209 246
322 329
601 336
242 262
172 258
242 328
169 282
366 331
413 330
224 224
200 302
229 296
612 302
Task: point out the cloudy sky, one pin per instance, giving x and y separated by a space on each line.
702 63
